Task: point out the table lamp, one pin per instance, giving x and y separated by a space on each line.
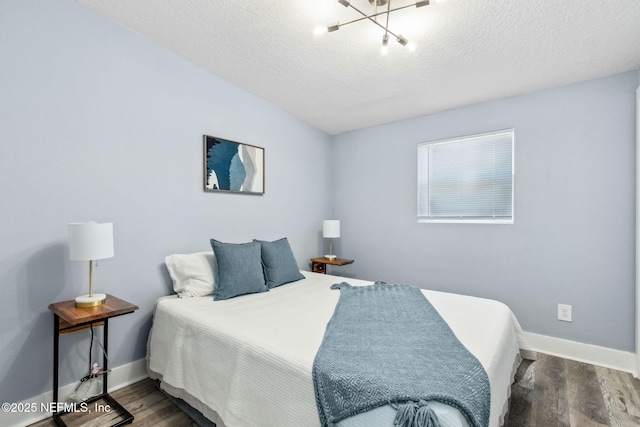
330 230
89 241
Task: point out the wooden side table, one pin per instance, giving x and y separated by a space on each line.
69 319
319 265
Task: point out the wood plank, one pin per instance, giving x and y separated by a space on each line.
630 388
159 411
616 399
549 406
134 391
176 419
522 393
586 404
634 384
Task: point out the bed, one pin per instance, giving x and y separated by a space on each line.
247 361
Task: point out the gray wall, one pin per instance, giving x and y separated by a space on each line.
99 123
573 237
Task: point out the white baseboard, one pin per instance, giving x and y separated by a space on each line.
29 411
593 354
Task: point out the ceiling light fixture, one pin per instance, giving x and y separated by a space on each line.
318 30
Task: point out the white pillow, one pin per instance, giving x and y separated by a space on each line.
193 275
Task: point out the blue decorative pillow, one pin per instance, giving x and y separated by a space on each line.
279 264
239 269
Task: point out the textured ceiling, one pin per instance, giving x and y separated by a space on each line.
468 51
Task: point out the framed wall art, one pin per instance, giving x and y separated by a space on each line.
231 166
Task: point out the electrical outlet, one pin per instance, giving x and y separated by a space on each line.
564 312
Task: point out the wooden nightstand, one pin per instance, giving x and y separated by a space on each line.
69 319
319 265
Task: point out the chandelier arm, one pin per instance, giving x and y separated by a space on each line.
365 16
357 20
386 26
369 17
372 20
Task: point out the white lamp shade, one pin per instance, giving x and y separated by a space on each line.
90 240
330 228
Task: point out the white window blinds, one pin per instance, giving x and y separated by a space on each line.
467 179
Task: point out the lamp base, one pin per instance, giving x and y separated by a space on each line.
90 300
330 256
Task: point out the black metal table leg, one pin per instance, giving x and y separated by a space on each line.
105 361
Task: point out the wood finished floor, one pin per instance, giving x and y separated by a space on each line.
569 393
565 393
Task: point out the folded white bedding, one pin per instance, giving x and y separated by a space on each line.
247 361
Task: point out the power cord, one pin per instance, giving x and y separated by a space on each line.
94 368
89 385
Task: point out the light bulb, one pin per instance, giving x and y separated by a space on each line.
384 49
319 30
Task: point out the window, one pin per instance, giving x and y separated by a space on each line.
467 179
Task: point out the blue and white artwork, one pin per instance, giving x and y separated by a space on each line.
233 166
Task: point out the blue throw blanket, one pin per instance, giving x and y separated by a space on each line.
386 344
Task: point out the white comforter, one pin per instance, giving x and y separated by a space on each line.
247 361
